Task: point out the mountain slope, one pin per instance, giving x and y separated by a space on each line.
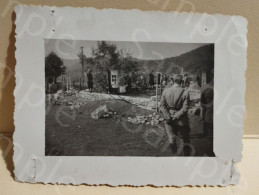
195 61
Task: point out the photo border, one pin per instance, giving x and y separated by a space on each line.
34 24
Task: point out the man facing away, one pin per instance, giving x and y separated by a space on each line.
151 80
207 94
174 106
90 81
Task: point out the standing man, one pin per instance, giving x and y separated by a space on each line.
90 81
128 83
164 80
151 80
185 81
174 106
207 95
121 83
198 80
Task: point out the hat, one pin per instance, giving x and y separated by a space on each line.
178 78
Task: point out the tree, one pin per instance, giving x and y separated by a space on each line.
104 58
54 67
127 63
107 57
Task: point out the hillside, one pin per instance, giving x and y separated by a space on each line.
193 62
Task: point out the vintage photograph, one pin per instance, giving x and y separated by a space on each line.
121 98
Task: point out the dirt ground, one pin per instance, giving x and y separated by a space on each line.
75 133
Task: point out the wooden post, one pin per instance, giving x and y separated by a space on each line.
62 78
160 89
156 97
82 61
67 82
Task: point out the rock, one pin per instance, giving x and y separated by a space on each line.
56 95
99 112
106 115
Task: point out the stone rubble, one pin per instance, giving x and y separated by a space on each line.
103 112
143 102
152 119
99 112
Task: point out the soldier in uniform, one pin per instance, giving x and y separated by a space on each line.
90 81
207 106
174 106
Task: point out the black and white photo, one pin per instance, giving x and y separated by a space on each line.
118 98
128 97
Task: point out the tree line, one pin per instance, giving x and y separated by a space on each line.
104 58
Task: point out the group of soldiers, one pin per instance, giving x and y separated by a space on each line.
165 80
175 101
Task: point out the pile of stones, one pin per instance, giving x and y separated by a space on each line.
152 119
92 96
75 105
109 114
103 112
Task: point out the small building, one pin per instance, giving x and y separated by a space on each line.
115 78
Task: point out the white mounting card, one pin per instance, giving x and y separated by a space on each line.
61 136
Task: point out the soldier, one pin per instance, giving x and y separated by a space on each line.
151 80
174 106
207 106
90 81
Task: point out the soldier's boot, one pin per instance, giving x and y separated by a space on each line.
179 144
187 151
173 147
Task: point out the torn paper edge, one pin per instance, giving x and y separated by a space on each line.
17 139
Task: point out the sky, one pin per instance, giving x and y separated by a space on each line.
68 49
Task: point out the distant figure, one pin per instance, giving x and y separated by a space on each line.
185 81
144 80
207 107
121 83
174 106
198 80
90 81
151 80
164 80
128 82
170 83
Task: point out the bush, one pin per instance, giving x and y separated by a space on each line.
101 82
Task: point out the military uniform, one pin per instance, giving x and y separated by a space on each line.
207 105
174 106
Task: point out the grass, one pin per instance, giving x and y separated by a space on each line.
75 133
